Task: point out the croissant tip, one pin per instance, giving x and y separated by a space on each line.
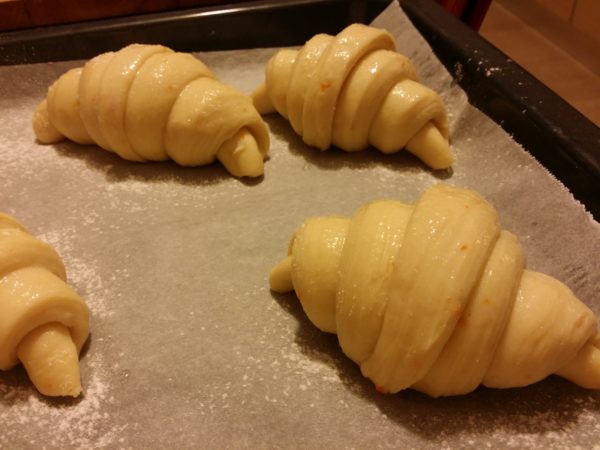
44 130
380 389
280 278
51 360
241 156
261 100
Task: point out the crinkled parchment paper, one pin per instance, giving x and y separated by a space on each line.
189 348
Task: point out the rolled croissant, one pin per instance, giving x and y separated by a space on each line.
43 322
353 90
435 297
149 103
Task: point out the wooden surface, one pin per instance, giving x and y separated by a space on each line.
19 14
551 49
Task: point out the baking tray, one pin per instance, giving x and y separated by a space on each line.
189 348
561 138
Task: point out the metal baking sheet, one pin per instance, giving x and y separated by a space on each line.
190 349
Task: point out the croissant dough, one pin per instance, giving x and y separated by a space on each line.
149 103
435 297
353 90
43 322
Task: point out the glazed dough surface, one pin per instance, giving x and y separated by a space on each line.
435 296
149 103
353 90
43 322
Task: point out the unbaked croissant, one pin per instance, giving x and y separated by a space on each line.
435 297
353 90
149 103
43 322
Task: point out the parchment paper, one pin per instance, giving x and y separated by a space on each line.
190 349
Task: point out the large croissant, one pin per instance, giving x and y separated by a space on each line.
353 90
435 297
149 103
43 322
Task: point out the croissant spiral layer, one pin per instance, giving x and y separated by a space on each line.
435 296
353 90
149 103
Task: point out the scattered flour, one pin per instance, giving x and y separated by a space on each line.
75 424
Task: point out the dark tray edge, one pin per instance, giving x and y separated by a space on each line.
554 132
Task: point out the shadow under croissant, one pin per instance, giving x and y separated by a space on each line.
557 403
336 159
117 169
